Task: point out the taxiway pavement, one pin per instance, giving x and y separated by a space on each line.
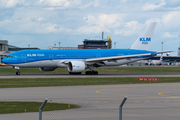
101 102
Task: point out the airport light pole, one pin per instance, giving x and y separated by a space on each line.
162 46
179 42
179 48
115 45
3 48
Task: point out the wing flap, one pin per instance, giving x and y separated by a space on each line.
114 58
162 52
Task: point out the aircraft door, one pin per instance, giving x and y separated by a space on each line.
50 57
98 55
24 57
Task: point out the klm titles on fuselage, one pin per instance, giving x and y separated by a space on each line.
145 40
35 55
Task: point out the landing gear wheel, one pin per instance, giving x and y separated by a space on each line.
78 73
96 72
91 73
17 73
88 72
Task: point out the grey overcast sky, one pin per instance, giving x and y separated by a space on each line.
43 23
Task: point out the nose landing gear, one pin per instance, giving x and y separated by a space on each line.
17 70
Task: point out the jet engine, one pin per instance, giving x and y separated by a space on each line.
76 66
47 68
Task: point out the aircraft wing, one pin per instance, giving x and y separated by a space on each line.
162 52
114 58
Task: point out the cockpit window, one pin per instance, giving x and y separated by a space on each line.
9 56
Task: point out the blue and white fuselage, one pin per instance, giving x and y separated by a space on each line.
59 58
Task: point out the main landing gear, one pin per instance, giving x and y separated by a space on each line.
91 72
78 73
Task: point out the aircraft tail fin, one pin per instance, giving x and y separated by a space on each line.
168 54
144 40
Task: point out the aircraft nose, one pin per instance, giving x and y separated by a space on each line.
3 60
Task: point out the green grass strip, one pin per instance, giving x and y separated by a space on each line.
19 107
44 82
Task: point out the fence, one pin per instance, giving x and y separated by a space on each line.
152 109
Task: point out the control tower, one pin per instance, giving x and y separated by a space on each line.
3 45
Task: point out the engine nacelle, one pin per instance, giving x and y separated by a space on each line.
76 66
47 68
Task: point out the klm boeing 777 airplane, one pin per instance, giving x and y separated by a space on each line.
76 61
